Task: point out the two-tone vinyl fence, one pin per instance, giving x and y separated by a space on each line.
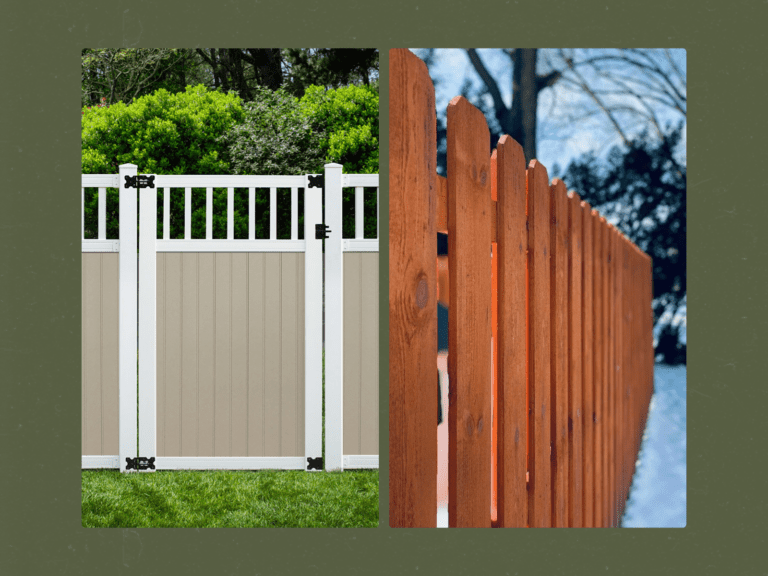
229 337
550 352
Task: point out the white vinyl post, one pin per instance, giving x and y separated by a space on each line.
313 325
334 321
127 319
147 325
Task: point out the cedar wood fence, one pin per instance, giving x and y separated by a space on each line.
550 330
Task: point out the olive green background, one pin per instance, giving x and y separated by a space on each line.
40 287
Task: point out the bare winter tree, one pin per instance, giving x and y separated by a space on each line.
624 89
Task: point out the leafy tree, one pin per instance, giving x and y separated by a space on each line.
276 136
349 119
124 74
642 187
329 67
161 133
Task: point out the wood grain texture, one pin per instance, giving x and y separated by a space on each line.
599 368
469 324
412 294
575 358
588 368
539 406
559 352
512 497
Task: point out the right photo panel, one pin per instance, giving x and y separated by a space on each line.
537 287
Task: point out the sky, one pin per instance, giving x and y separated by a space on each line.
559 140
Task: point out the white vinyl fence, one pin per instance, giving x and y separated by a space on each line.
230 331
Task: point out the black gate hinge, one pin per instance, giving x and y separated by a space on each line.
316 180
140 463
315 463
140 181
322 231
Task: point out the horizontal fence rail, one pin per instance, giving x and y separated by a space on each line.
230 329
550 363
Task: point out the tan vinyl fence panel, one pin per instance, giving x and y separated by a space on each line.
361 353
230 354
100 354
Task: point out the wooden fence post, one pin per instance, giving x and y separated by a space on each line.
412 294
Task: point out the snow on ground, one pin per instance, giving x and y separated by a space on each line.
658 494
657 498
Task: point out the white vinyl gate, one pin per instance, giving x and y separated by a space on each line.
230 331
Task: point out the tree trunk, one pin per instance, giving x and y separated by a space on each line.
525 98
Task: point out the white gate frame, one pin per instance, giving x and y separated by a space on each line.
335 246
144 302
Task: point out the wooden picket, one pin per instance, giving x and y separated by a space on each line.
550 330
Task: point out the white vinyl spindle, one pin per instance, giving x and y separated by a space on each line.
166 213
359 213
334 321
295 214
128 305
251 213
230 213
273 213
187 213
102 213
209 213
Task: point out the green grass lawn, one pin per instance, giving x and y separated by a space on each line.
228 499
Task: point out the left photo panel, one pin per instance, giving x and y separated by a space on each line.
230 287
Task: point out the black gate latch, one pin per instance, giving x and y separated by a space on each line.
140 463
322 231
140 181
315 463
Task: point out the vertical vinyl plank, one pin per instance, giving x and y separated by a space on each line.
109 349
223 355
172 365
205 353
272 356
256 360
189 374
353 368
239 406
289 356
92 327
369 391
